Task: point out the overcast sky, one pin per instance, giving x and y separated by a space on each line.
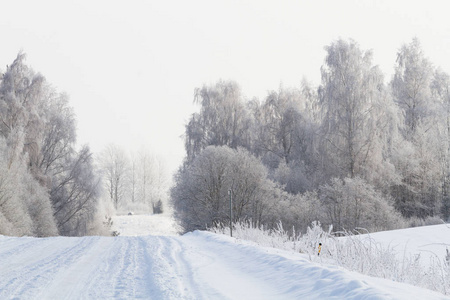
131 67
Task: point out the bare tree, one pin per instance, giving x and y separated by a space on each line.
115 168
151 180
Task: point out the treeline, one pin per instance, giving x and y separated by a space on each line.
47 186
356 151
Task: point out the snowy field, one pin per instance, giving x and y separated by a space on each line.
426 243
198 265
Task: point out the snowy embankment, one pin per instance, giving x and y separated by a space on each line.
198 265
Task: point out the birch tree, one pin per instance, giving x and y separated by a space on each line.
411 85
222 120
351 89
281 117
419 193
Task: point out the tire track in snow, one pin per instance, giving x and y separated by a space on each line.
15 247
36 271
71 279
131 279
173 273
123 272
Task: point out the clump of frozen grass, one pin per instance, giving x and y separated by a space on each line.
278 237
351 251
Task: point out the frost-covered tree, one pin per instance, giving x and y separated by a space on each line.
411 85
151 181
441 92
22 94
59 136
200 195
351 90
14 218
419 193
25 208
352 203
416 90
36 198
284 134
74 195
136 182
37 127
281 117
222 120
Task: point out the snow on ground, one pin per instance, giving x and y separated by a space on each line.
138 225
427 242
197 265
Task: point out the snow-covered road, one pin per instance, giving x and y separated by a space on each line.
199 265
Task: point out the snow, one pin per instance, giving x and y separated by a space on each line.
198 265
140 225
427 242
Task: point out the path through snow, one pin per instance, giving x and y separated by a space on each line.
198 265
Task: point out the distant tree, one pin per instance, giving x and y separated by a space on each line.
115 169
151 180
160 187
133 179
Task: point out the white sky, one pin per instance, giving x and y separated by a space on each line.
130 67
